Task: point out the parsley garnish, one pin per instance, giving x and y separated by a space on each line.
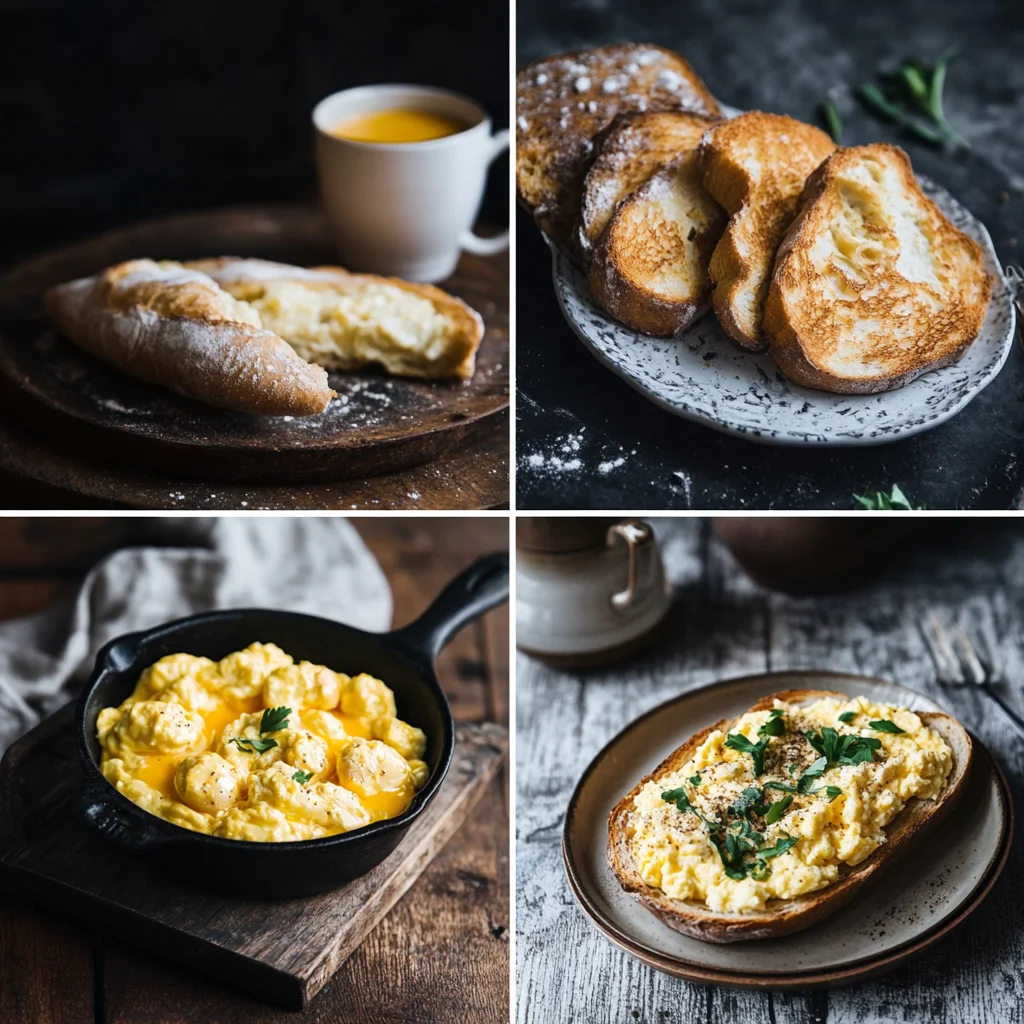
886 726
838 749
737 741
880 501
747 800
777 809
302 777
274 719
847 717
775 726
694 780
832 792
785 843
252 746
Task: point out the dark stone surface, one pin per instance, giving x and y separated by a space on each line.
785 57
113 112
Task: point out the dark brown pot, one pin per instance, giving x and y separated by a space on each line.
812 555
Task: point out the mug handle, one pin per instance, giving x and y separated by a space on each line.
499 243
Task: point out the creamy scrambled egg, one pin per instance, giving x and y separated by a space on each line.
826 812
258 747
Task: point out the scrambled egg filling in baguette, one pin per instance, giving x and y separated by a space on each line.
346 329
773 808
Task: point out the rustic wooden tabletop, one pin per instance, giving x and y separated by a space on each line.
442 952
971 572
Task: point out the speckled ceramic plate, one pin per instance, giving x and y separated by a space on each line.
701 375
910 907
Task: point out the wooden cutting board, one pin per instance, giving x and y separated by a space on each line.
283 951
378 424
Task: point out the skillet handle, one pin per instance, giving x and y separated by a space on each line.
474 591
101 814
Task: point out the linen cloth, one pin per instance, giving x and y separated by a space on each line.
316 565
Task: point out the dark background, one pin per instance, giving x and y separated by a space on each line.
784 56
114 111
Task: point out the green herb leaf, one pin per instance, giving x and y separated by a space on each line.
777 809
732 863
274 719
746 800
792 768
694 780
252 746
302 777
847 717
884 725
881 104
832 792
881 501
806 781
681 799
737 741
848 749
784 844
832 119
775 726
760 871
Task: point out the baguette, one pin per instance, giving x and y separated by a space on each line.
176 328
782 917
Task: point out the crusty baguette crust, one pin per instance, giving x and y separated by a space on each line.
190 348
633 148
564 101
945 321
755 165
646 246
783 917
468 326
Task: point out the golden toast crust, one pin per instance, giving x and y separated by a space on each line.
650 268
755 165
634 148
564 101
783 917
872 285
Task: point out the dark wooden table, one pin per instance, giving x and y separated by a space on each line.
442 952
722 625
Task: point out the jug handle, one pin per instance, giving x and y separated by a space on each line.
639 540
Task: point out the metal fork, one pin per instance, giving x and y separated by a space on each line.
958 664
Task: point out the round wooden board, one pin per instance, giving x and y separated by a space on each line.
377 425
471 477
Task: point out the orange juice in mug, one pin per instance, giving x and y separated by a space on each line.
402 171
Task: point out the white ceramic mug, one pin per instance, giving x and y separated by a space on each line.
406 208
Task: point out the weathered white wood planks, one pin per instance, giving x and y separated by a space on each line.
971 572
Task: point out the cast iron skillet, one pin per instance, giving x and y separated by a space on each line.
404 659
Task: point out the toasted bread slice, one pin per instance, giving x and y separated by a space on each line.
562 102
782 917
872 286
650 269
754 165
635 147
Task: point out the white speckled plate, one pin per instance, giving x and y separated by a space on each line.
701 375
910 907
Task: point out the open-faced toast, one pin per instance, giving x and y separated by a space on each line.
564 101
755 165
780 917
634 148
650 268
872 285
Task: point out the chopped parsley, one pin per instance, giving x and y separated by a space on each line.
694 780
886 726
274 719
252 746
302 777
785 843
832 792
838 749
737 741
847 717
777 810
